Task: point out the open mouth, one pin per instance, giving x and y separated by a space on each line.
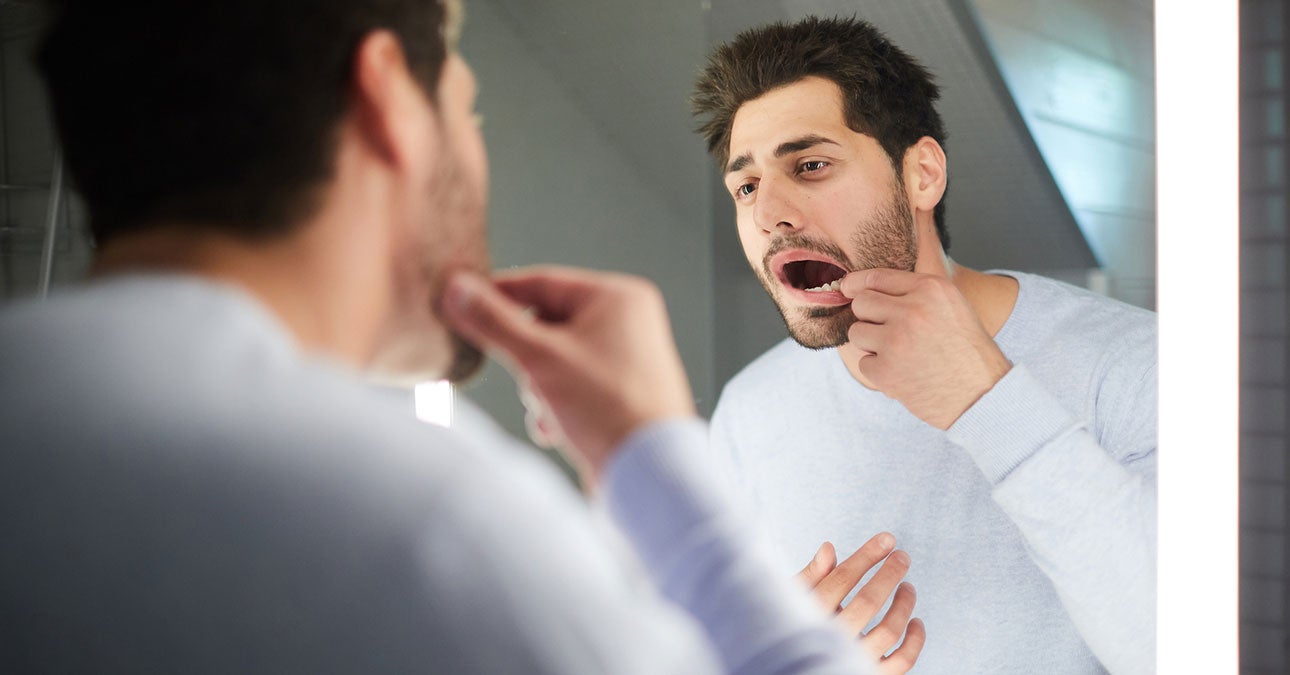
813 276
810 275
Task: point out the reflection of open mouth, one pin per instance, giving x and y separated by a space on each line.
813 276
810 276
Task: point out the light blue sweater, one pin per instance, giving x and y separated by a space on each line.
1031 522
183 489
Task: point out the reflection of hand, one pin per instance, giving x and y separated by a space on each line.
594 350
832 581
922 343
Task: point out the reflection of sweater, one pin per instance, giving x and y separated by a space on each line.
1031 522
183 490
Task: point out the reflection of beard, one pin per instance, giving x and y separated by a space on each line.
886 240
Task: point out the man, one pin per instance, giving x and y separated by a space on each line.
1000 424
195 477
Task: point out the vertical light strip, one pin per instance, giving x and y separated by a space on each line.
434 402
1198 275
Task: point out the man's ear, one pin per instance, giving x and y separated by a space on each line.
925 174
389 108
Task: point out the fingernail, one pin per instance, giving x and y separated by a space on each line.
819 553
886 539
900 556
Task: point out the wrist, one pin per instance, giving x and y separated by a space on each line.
990 376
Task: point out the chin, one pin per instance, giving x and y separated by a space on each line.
467 361
820 333
816 327
420 359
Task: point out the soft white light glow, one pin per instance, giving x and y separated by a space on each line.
1198 267
434 402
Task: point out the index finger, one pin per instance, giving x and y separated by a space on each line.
555 292
838 584
490 319
881 279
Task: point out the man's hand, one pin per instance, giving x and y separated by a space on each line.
831 581
593 350
922 344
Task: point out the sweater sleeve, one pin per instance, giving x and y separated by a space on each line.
661 492
1088 519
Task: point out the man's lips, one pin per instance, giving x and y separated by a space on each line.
800 269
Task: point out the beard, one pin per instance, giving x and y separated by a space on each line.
462 209
467 360
449 236
887 239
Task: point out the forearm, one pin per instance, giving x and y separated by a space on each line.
1089 521
689 539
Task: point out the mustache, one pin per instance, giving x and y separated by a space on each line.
796 241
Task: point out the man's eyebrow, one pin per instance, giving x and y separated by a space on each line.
739 162
785 148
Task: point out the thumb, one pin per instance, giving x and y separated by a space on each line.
488 318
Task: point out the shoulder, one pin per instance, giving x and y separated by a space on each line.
1097 354
1053 316
1072 302
181 372
190 407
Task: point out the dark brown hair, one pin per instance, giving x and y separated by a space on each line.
886 93
215 113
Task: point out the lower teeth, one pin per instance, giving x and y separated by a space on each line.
825 287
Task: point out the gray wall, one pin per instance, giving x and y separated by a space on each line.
26 163
565 188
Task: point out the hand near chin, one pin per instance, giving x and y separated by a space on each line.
831 581
593 352
921 343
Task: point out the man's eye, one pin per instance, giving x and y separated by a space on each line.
812 165
745 190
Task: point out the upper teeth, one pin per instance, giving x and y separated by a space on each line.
833 286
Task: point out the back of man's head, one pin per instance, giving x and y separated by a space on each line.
215 113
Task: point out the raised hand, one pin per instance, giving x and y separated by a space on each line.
921 343
594 350
831 581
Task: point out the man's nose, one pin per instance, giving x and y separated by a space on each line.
774 209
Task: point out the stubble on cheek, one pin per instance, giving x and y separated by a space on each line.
890 242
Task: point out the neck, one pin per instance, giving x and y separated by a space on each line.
990 295
326 304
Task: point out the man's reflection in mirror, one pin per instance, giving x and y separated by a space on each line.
1000 424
